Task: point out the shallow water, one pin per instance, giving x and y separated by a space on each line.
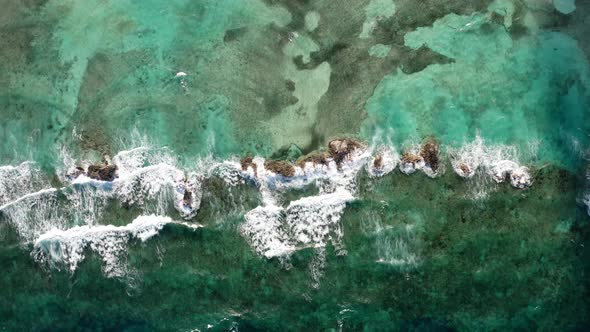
175 93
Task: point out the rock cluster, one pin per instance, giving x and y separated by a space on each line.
411 162
464 171
280 167
102 172
506 170
430 154
378 162
341 149
247 162
315 158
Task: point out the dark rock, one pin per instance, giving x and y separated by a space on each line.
76 172
248 162
429 153
410 158
378 162
316 158
340 149
464 168
102 172
187 198
280 167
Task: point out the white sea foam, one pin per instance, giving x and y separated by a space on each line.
265 231
468 158
395 246
414 162
411 165
66 220
312 221
499 162
149 179
58 248
17 181
387 162
315 220
34 214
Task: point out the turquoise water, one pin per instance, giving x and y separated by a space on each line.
176 93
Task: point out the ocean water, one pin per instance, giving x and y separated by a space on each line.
229 209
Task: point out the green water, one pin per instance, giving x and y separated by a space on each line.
278 79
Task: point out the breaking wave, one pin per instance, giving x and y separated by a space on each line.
57 248
62 222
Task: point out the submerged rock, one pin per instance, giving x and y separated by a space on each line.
294 152
280 167
102 172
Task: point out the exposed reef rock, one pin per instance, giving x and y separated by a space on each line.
247 162
316 158
464 171
506 170
384 161
430 154
340 149
411 162
187 198
378 162
102 172
280 167
75 172
189 195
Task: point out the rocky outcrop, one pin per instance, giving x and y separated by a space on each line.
247 162
385 160
102 172
341 148
464 171
430 154
189 195
506 170
315 158
75 172
280 167
187 198
378 162
411 162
